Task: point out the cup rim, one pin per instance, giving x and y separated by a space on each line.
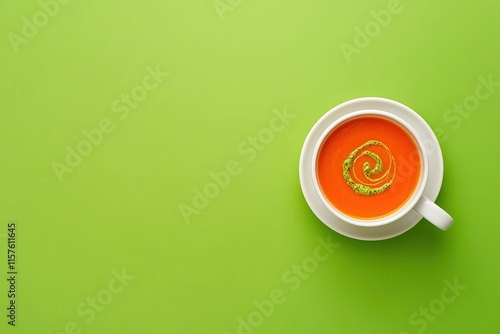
408 205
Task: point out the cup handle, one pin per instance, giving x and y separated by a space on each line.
433 213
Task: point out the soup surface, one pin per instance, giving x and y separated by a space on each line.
368 167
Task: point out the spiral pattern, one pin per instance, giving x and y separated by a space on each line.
375 181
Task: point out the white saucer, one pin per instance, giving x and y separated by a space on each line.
370 232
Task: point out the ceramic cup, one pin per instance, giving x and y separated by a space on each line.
417 201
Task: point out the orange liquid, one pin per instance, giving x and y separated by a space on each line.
401 166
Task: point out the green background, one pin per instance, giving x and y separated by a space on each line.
119 208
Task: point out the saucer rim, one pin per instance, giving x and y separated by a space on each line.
369 233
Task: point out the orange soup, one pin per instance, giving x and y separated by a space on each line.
368 167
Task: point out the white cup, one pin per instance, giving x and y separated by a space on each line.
417 201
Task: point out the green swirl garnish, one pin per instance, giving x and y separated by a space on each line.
371 186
